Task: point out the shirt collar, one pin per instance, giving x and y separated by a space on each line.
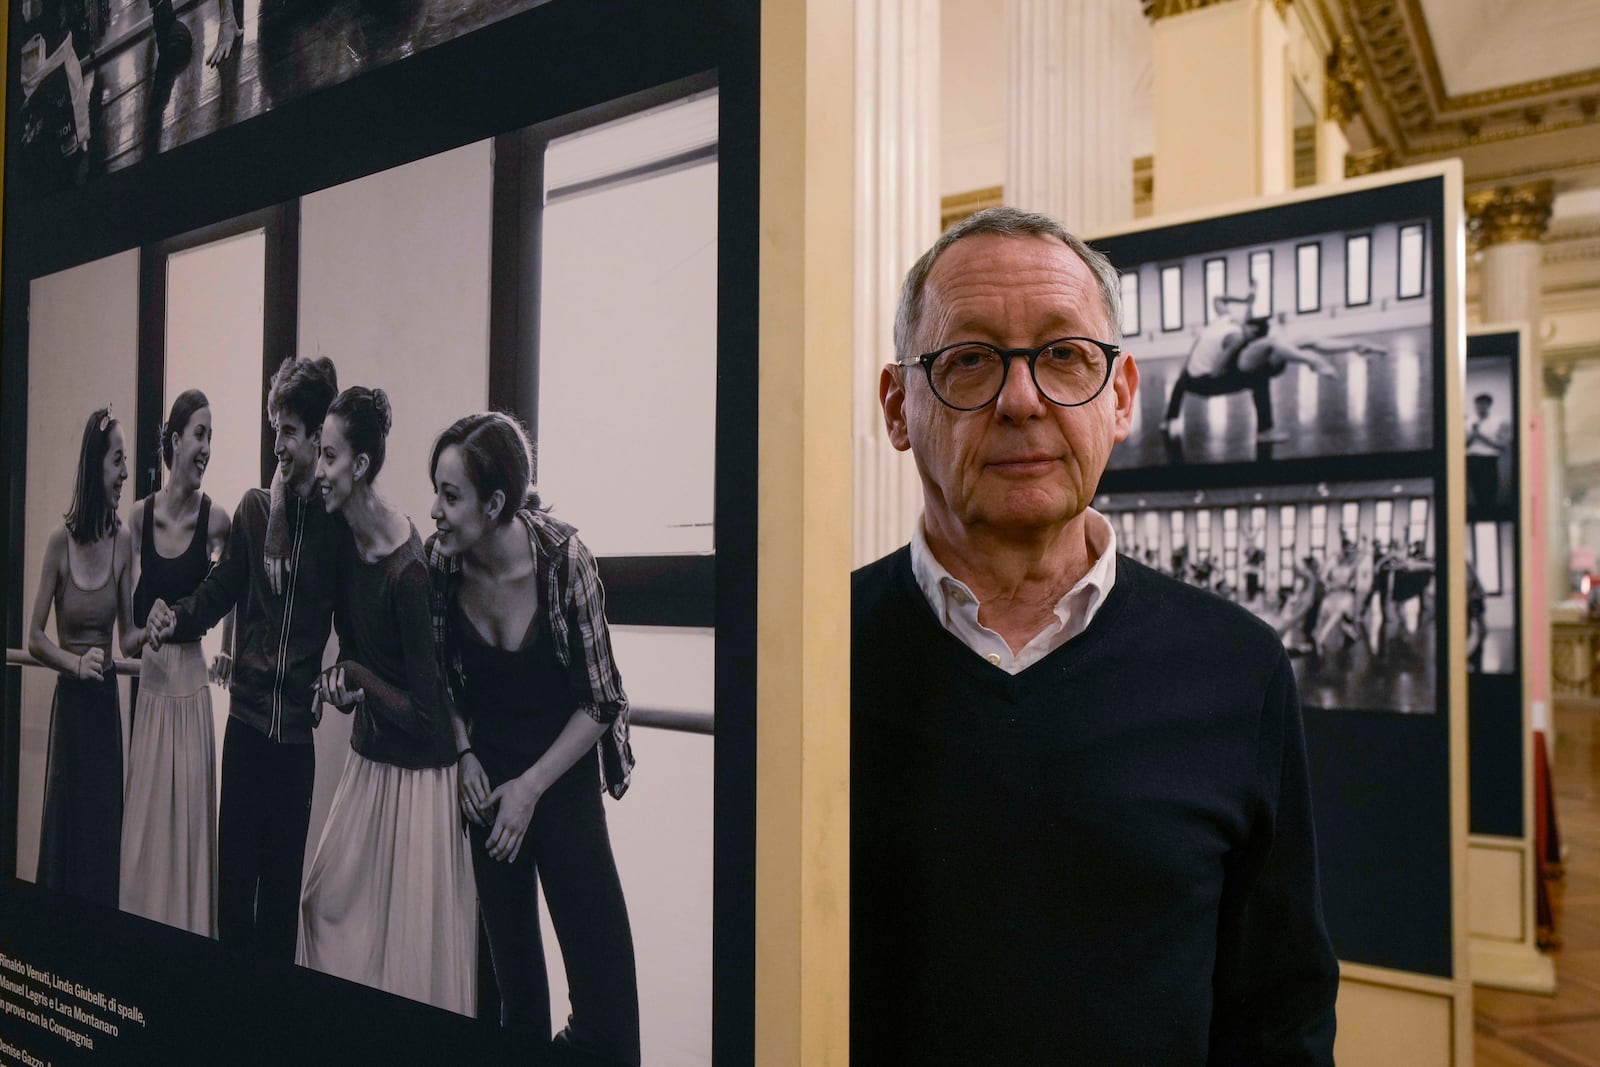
947 594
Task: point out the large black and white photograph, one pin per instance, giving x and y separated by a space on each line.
1491 419
1492 641
1344 572
369 557
1302 347
106 84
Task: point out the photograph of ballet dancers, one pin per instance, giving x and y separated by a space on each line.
366 595
1343 572
108 83
1491 597
1491 418
1302 347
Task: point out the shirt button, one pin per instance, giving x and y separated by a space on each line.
994 658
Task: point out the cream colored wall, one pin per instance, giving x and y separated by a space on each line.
83 331
972 86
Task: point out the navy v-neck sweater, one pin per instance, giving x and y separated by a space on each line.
1105 859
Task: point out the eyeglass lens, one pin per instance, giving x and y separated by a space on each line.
1067 372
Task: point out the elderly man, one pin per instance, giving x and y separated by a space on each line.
1081 828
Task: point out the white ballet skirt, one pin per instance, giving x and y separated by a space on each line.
169 822
390 900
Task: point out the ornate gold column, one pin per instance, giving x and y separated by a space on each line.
897 217
1223 120
1068 151
1508 223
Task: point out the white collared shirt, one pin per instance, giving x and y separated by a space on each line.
956 608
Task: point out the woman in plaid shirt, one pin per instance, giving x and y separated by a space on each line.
540 722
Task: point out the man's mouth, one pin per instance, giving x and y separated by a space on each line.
1023 465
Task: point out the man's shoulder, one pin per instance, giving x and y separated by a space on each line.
1186 612
253 507
872 581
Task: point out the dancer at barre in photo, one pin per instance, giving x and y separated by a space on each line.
169 869
1337 612
268 761
542 732
87 579
388 901
1230 356
1488 437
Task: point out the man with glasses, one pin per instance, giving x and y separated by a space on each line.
1081 826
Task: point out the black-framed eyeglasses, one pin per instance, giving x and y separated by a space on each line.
968 375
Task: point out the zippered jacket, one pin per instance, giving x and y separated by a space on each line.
279 639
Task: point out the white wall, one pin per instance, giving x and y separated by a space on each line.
972 95
82 353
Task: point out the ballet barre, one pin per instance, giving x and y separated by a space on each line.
688 722
16 657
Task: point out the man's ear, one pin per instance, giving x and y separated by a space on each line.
892 398
1125 387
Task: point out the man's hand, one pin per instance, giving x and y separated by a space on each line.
160 625
332 688
221 672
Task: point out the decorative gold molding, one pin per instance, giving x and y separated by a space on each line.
1398 54
957 206
1156 10
1144 186
1510 213
1557 377
1369 161
1344 83
1283 7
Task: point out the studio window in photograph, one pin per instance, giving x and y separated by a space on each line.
1358 270
1130 303
1411 261
1261 279
1171 298
1216 284
1308 278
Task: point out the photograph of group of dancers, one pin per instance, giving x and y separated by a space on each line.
1345 573
477 668
1293 349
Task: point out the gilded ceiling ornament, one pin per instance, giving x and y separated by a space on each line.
1369 161
1510 213
1557 377
1155 10
1344 84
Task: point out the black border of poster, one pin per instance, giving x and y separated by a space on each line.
1495 724
558 59
1380 781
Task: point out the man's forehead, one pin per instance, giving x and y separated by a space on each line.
989 273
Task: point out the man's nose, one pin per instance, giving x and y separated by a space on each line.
1019 398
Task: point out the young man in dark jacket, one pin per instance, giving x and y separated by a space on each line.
281 632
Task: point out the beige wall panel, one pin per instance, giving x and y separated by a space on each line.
1381 1025
1494 887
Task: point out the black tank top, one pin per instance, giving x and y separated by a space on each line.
515 701
170 579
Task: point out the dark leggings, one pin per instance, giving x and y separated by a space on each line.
1259 384
261 840
568 849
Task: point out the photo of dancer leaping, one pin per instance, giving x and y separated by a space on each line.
1235 354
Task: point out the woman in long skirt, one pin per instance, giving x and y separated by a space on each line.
169 825
388 900
87 579
542 733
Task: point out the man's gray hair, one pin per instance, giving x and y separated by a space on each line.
1004 222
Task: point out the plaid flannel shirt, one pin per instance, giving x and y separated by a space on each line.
569 580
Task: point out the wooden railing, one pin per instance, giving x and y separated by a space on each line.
688 722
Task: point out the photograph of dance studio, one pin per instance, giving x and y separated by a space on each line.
455 284
1345 573
108 83
1490 403
1305 347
